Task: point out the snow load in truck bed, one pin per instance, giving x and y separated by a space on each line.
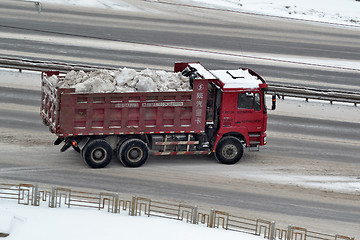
122 80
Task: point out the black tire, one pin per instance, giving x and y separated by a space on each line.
97 153
229 150
133 152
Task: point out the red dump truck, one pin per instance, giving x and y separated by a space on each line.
222 113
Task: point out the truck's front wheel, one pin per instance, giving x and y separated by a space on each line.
97 153
229 150
133 153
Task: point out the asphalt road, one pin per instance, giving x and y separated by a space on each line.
296 143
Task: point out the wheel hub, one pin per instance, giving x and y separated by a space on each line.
99 154
135 154
229 151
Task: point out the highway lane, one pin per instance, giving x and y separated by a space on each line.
328 128
20 96
206 195
238 34
335 142
232 39
325 139
313 77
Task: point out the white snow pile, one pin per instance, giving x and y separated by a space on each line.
43 223
122 80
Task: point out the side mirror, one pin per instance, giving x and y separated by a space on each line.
273 100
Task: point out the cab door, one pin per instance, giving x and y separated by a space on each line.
250 111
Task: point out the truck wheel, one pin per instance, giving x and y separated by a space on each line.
133 153
97 153
229 150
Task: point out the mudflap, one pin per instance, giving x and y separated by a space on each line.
58 141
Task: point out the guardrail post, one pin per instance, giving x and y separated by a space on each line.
133 206
289 232
116 208
53 197
195 215
212 219
35 197
272 231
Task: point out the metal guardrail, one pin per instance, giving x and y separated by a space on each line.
38 65
280 90
29 194
313 93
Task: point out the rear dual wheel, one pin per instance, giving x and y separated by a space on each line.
133 152
97 153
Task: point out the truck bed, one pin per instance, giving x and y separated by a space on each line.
68 113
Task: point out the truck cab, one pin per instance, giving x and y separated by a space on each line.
243 110
236 111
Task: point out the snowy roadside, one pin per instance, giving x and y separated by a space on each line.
42 223
331 11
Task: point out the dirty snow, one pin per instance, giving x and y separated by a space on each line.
122 80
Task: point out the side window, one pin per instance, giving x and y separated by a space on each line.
257 102
246 101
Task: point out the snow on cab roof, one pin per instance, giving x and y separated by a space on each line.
240 78
202 71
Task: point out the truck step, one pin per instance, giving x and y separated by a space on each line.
254 148
255 135
178 143
182 153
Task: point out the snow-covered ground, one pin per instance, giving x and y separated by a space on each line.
43 223
332 11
